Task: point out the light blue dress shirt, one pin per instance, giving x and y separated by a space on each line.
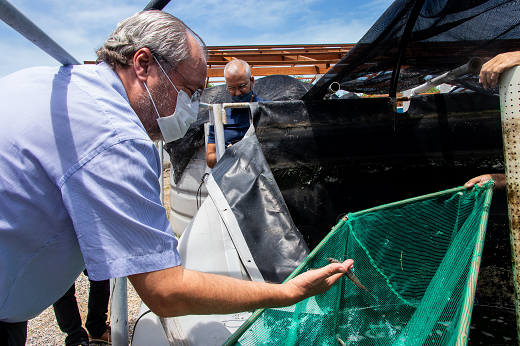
78 186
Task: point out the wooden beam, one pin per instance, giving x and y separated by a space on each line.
283 47
273 52
277 62
268 71
276 56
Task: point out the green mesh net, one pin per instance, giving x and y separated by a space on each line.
419 259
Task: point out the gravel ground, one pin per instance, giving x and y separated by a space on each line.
44 330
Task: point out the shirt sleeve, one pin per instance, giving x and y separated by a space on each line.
114 203
211 134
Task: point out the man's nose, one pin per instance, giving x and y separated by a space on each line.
237 92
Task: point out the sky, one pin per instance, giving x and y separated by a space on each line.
80 26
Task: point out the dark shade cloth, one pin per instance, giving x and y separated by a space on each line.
444 36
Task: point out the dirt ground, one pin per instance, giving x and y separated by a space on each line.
166 187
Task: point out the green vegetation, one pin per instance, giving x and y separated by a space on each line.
301 78
433 90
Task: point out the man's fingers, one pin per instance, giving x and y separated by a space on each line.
494 78
336 277
489 73
491 70
320 280
341 267
480 180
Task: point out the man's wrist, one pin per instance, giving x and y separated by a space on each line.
290 294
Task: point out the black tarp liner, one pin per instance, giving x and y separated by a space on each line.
340 156
339 132
248 185
274 88
446 35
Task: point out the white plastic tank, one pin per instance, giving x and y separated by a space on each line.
183 195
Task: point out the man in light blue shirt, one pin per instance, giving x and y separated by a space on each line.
80 182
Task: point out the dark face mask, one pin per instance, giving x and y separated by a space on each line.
243 97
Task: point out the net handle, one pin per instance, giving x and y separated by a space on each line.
471 286
409 200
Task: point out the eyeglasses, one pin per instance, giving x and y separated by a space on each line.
242 87
198 92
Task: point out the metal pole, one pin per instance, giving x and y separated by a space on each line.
119 311
156 5
19 22
510 113
220 143
161 175
473 66
218 119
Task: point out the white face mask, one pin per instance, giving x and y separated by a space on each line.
176 125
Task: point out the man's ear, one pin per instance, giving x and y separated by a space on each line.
142 61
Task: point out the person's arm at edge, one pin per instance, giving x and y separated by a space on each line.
499 178
211 155
492 69
177 291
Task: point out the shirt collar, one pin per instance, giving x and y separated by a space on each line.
106 72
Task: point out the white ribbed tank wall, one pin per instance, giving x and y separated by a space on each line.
183 195
510 112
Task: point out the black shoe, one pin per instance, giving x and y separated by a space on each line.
82 343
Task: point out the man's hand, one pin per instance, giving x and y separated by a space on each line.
492 69
211 155
499 178
318 281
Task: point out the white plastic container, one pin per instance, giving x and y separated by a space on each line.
183 195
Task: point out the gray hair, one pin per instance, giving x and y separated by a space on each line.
165 35
232 67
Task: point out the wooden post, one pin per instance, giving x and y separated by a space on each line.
510 113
